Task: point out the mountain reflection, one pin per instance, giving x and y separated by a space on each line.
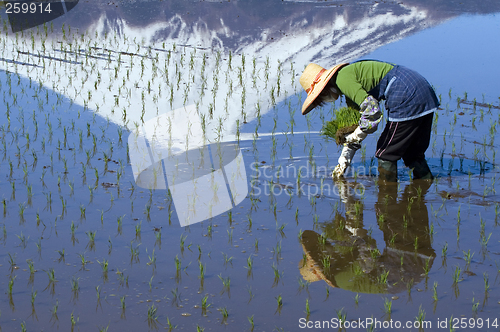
331 29
184 51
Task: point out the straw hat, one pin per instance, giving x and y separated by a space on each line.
310 269
313 80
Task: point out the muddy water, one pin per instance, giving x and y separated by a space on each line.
328 248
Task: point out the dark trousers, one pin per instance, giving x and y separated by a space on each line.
405 139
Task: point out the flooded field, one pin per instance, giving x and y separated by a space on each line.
87 244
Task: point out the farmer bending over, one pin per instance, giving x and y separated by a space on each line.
410 102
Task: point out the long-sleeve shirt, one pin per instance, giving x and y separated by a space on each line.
356 79
407 94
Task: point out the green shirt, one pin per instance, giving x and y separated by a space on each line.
356 79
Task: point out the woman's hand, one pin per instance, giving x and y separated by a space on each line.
356 137
345 159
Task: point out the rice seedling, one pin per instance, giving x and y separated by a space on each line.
75 287
356 299
177 264
73 321
11 284
304 284
204 304
475 306
83 260
152 259
277 275
421 316
277 250
409 286
119 221
484 241
468 258
33 297
134 252
91 237
39 245
382 278
345 121
104 329
182 241
226 282
23 240
158 237
151 283
82 212
63 204
138 230
341 315
444 250
299 234
152 316
31 266
170 325
104 265
251 321
434 292
375 253
456 275
121 278
22 207
249 263
326 262
427 266
54 310
388 307
62 255
12 259
227 260
279 301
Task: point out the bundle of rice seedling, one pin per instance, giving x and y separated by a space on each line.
345 122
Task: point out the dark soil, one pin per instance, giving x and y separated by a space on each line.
342 133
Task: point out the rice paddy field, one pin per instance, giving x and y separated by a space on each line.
85 246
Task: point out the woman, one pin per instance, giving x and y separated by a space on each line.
410 102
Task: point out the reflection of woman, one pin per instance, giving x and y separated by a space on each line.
346 255
409 100
343 265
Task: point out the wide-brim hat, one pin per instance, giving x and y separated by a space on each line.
311 271
313 80
310 268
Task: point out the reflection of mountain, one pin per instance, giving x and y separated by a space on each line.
238 24
117 72
326 31
244 17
